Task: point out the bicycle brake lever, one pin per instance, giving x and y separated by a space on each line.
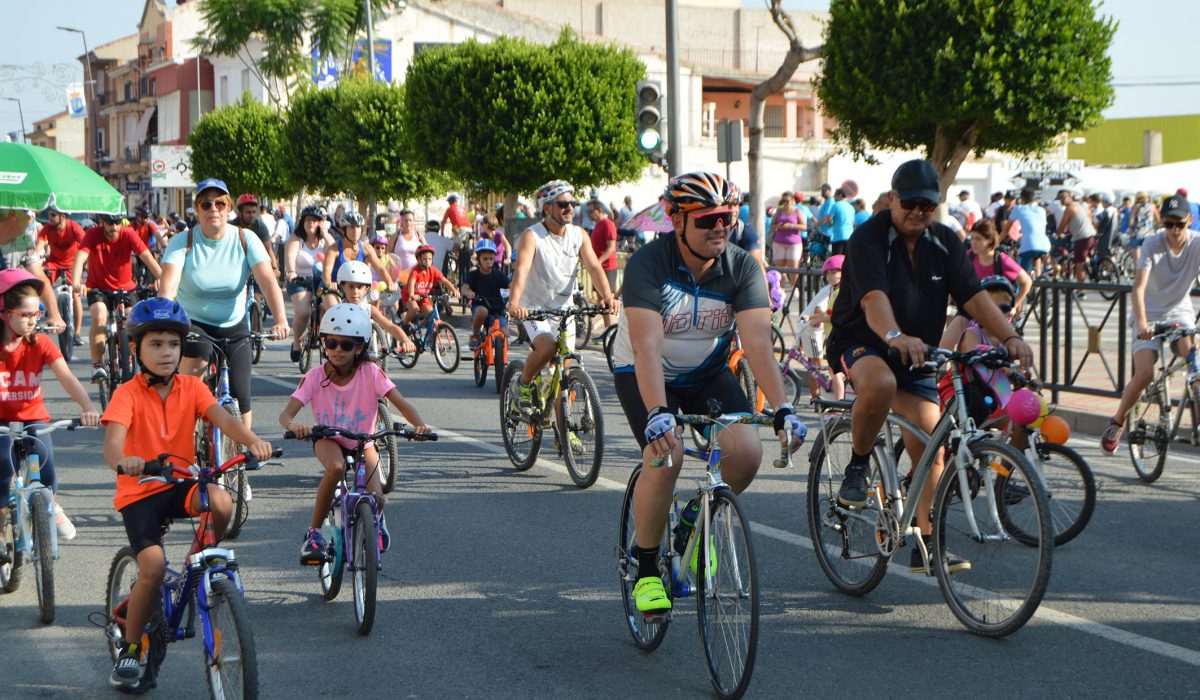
146 479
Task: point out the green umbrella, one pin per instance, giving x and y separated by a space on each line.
32 177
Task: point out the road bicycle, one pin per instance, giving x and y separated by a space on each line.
209 587
352 509
116 359
1151 428
975 497
63 297
30 534
492 351
214 447
568 396
721 546
430 333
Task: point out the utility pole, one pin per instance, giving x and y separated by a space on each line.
674 141
24 135
93 108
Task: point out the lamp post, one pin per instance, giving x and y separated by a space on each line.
93 108
24 136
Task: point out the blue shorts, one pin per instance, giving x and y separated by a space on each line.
919 383
1027 258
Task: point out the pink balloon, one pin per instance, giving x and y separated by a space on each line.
320 256
1025 407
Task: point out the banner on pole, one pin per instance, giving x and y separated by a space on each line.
76 102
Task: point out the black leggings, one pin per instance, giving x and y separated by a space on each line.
234 341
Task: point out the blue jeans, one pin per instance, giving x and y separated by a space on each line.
45 451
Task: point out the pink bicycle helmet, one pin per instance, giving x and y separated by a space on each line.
833 263
13 277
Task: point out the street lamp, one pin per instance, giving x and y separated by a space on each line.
91 85
21 112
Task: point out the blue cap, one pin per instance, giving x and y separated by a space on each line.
212 184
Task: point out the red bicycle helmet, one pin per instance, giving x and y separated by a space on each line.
12 277
247 199
424 249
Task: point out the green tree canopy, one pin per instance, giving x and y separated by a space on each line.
560 111
955 76
307 141
241 144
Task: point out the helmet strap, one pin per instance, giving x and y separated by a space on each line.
153 379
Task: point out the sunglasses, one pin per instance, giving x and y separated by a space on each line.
345 345
207 204
707 221
567 205
1174 224
920 204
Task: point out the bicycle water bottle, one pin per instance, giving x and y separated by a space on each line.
33 467
687 522
1193 360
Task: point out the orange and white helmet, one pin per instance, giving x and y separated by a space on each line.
700 190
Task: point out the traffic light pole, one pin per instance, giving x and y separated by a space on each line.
674 140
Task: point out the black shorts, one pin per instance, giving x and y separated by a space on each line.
234 341
723 387
838 248
918 383
110 298
147 519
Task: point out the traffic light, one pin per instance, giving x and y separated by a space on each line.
650 119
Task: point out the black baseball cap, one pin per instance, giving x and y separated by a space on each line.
917 179
1176 206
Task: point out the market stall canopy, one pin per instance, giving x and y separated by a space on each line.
32 177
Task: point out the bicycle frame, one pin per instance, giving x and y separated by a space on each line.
345 504
795 354
21 497
562 353
1167 370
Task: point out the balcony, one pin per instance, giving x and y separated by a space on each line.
136 154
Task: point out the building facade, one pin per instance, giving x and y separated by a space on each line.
60 133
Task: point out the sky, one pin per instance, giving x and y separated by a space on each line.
1145 53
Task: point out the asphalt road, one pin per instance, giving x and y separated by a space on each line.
503 584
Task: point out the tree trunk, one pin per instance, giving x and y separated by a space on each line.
951 146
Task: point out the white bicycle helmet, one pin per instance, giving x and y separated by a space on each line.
355 271
349 320
551 191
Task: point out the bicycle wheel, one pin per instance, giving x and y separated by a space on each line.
847 542
379 346
121 576
365 570
43 570
1071 490
124 358
306 350
480 364
583 331
445 348
522 437
229 655
746 380
1006 580
330 571
66 339
389 462
797 386
579 407
235 481
256 325
610 339
1107 272
647 634
727 596
104 390
1148 432
10 573
777 345
499 359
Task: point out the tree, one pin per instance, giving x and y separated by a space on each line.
774 85
241 144
560 111
956 76
307 140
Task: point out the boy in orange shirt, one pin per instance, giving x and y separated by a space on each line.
153 413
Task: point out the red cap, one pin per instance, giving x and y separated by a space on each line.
1182 191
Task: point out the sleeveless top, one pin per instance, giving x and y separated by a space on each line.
407 250
1080 225
306 258
362 257
555 266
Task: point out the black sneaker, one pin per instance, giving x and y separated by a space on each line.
916 562
128 669
853 493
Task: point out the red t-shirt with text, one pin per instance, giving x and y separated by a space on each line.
110 263
21 379
424 281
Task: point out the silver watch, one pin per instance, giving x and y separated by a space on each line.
891 335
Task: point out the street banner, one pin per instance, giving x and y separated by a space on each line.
76 102
326 71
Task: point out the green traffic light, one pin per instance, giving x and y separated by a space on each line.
649 140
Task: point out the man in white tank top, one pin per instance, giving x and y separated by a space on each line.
548 257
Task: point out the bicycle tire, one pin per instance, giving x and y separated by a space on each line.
588 427
230 675
610 340
122 574
845 541
66 339
446 351
480 365
40 509
992 598
727 595
256 322
1107 272
365 570
380 340
522 453
329 572
583 331
499 360
746 380
647 635
389 460
1071 488
1148 432
778 346
10 573
235 481
123 357
797 384
306 350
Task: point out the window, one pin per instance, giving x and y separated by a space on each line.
773 122
153 87
128 90
100 139
245 79
223 92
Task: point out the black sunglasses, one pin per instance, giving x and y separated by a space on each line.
345 345
567 205
709 221
920 204
1174 224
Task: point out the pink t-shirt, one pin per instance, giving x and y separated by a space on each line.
1008 267
352 407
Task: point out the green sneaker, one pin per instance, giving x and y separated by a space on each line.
711 559
575 442
650 596
525 398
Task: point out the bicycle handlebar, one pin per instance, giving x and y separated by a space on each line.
994 357
1173 331
161 468
68 423
321 432
565 312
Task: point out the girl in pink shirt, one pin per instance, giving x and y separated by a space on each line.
344 393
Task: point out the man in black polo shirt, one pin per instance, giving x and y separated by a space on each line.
900 269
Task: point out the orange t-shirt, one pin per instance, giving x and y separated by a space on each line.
156 426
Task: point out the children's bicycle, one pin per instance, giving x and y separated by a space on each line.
209 587
354 517
30 532
492 351
431 334
721 547
568 396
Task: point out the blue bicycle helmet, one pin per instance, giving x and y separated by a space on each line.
486 246
156 314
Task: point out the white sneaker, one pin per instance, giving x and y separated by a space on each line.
66 529
248 495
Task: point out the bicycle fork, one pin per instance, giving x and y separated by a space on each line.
24 516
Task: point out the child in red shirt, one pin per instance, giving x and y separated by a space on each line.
23 354
421 282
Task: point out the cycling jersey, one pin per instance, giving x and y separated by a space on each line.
698 315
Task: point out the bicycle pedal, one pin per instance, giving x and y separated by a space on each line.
658 618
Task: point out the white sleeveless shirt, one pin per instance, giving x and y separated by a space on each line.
555 267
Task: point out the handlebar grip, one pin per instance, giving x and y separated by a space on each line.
289 435
276 453
421 437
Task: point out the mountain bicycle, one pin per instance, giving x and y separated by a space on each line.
569 396
1151 429
209 587
975 497
492 351
30 531
116 359
720 546
430 333
352 509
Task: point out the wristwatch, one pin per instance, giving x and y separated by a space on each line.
891 335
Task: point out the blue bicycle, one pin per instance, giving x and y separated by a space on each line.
431 333
209 587
30 531
354 516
